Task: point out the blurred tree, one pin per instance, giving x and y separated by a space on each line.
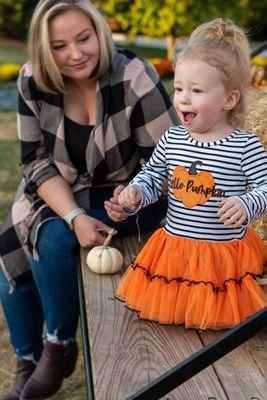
120 10
14 18
256 19
154 18
171 18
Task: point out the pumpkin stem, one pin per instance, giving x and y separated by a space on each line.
192 169
111 233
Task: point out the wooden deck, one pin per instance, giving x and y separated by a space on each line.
128 353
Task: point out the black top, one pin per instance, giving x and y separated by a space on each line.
77 137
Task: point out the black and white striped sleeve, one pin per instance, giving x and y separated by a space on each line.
254 165
151 178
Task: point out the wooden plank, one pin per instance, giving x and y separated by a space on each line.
168 346
115 341
173 344
129 353
116 344
238 372
258 350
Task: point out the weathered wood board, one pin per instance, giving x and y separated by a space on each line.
128 353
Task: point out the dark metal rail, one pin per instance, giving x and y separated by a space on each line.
85 333
257 50
203 358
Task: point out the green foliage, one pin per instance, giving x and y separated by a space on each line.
170 18
160 18
120 10
154 18
14 17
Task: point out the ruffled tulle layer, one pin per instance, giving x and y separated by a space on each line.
203 285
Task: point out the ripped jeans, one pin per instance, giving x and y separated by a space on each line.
51 295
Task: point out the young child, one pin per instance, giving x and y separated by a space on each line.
200 269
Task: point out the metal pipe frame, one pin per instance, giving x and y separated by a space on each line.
258 49
85 333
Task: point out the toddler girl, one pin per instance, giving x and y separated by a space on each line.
200 269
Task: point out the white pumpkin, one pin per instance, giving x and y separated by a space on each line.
105 259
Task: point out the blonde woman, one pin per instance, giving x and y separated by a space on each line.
87 114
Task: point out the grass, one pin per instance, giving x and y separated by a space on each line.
73 388
13 52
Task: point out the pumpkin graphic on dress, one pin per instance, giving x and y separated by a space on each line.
191 187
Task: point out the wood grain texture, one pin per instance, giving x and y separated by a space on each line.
238 371
258 350
128 353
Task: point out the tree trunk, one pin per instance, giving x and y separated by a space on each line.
170 47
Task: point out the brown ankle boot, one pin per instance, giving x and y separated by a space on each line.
70 358
57 362
24 370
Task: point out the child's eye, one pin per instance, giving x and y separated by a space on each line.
197 91
177 89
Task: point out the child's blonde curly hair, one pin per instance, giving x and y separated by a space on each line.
224 45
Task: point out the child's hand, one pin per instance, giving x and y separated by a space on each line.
130 197
113 207
232 212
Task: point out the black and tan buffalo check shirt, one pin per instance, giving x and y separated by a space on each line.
133 110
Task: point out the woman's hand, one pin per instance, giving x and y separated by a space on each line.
90 232
113 207
232 212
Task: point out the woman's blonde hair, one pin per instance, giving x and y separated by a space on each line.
45 70
224 45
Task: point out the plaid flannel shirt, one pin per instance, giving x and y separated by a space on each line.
133 110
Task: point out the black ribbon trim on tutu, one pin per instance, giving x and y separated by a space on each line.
216 289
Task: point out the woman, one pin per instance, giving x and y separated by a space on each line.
87 115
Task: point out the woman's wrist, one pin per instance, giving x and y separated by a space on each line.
72 216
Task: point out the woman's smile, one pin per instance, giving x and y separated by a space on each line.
79 65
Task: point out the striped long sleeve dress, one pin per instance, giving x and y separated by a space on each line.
194 270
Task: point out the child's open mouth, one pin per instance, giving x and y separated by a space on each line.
188 117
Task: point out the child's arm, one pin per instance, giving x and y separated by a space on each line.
149 181
151 178
242 209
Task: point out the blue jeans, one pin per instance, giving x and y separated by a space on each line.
52 294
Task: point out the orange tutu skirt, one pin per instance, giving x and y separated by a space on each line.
203 285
